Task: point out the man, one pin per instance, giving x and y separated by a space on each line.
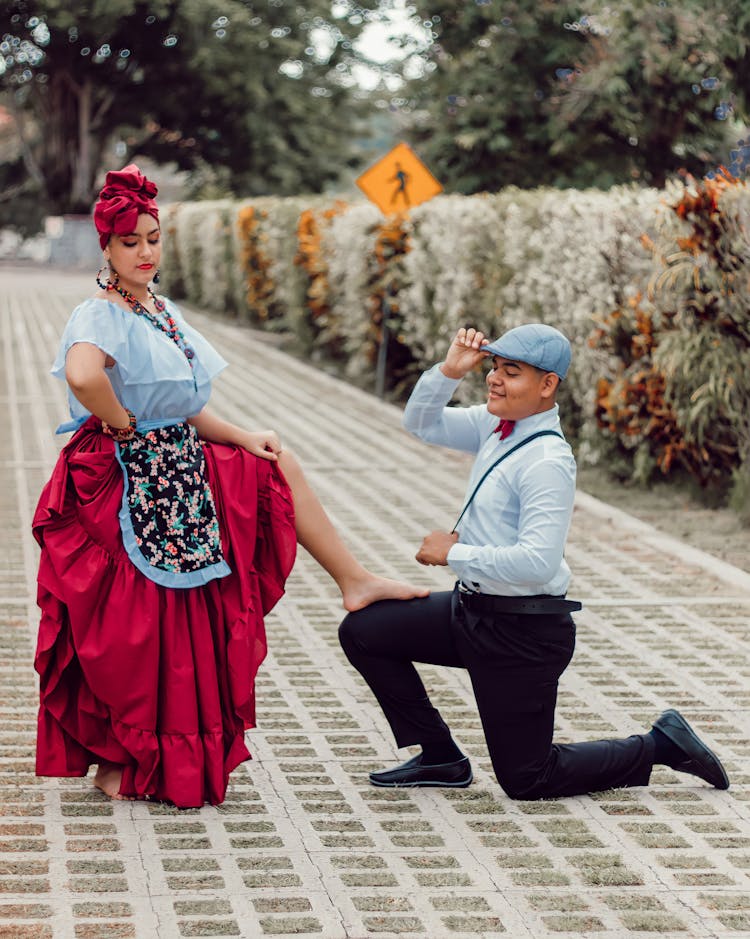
507 620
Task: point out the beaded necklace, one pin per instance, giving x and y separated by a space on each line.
166 324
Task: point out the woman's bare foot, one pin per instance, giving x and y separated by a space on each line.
108 778
370 588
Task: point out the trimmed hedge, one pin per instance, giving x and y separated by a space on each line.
610 269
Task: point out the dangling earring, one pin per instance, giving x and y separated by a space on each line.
111 284
155 278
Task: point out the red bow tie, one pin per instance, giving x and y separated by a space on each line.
504 428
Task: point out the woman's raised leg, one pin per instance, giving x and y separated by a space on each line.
317 534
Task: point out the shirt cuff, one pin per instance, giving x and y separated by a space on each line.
459 557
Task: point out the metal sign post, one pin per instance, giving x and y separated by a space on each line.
383 347
396 183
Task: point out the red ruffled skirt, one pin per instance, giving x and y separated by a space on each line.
157 679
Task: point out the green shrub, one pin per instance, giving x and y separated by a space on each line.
651 293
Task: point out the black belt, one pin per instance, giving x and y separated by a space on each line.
539 603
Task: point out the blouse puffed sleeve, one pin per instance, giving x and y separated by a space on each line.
103 324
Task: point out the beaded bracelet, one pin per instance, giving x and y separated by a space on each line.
121 434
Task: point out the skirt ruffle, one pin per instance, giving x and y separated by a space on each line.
157 679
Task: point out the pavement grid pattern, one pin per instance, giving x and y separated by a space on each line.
303 845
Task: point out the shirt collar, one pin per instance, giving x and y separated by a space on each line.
544 420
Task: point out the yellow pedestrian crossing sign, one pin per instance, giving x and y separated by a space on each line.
398 181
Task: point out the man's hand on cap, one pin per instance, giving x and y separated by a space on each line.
465 353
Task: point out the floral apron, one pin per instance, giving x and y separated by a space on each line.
168 517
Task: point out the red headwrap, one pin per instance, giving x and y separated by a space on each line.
126 195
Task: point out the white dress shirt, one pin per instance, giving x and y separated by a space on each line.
512 537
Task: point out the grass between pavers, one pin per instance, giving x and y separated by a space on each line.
573 923
735 921
540 878
25 911
685 862
92 845
271 880
604 870
558 902
359 862
519 860
486 925
701 879
202 907
381 904
89 828
417 841
725 901
393 924
97 884
109 929
652 922
568 833
26 931
443 879
290 926
209 927
282 904
459 903
489 819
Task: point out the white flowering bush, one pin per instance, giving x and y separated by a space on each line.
189 222
348 243
235 289
319 271
573 256
217 258
278 223
490 260
170 268
443 271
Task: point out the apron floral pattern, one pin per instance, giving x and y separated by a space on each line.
171 508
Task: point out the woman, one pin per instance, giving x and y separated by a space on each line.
166 535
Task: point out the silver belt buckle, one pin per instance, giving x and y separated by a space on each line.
464 588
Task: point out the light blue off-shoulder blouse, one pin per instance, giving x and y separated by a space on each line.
151 376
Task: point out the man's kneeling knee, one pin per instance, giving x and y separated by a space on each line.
522 787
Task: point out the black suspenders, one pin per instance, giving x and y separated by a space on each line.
539 433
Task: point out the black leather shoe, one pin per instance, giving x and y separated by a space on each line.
413 773
699 760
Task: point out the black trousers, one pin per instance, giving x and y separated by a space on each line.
514 662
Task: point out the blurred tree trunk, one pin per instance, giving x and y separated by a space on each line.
72 141
242 87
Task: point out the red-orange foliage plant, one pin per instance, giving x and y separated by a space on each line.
387 277
256 264
311 258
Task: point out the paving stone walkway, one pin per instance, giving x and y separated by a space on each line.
303 846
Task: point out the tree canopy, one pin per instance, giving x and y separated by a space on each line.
533 93
524 92
256 88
